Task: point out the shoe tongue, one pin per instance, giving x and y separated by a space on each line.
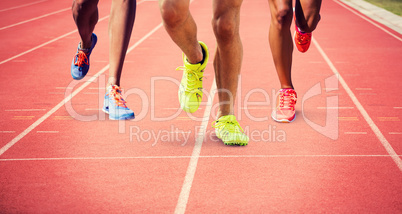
86 50
287 90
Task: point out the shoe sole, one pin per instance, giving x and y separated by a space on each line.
283 120
118 118
235 143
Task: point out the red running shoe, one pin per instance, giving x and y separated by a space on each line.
284 111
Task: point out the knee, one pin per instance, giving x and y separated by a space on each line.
225 27
85 3
173 14
282 18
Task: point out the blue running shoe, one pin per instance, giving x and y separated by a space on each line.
115 105
80 64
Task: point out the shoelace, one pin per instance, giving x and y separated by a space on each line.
303 38
191 77
287 99
115 94
82 58
222 124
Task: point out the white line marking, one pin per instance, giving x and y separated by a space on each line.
335 107
94 88
50 132
24 5
367 19
192 166
388 118
359 106
51 41
206 156
36 18
46 43
7 131
367 93
25 110
262 107
65 100
398 107
93 109
395 133
355 132
64 88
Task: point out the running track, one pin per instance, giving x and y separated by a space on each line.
60 154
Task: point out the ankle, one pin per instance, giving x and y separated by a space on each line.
199 58
223 113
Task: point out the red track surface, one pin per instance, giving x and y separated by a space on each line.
53 162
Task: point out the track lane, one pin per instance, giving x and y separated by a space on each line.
55 138
255 179
350 173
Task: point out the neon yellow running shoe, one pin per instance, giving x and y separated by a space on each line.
229 131
190 90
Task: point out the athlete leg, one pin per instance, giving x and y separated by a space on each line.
181 27
229 52
280 39
121 23
85 14
307 14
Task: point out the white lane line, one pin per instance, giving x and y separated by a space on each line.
46 43
335 107
359 106
192 166
395 133
254 107
187 157
64 88
93 109
397 107
24 5
43 16
51 41
36 18
25 110
369 20
7 131
65 100
388 118
355 132
364 89
97 88
48 132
